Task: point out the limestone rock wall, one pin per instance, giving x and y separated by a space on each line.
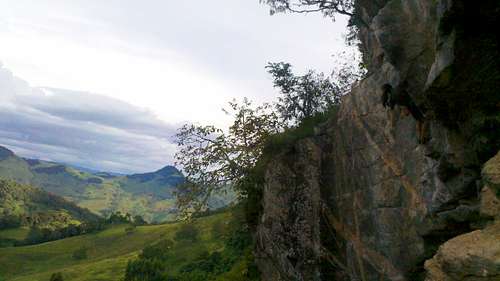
364 200
288 241
474 255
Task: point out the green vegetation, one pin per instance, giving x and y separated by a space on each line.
22 205
232 261
214 159
15 233
57 277
30 215
284 140
305 96
187 232
148 195
217 247
13 236
108 252
80 254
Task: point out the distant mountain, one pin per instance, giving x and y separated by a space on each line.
92 171
149 183
23 205
149 195
5 153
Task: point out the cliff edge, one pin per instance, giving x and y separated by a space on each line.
376 196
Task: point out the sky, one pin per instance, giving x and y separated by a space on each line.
105 84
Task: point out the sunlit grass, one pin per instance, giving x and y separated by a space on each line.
108 252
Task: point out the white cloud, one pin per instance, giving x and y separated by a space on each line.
182 59
82 129
159 63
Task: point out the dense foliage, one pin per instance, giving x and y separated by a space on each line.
119 218
41 235
303 96
108 251
38 235
49 217
232 262
23 205
146 270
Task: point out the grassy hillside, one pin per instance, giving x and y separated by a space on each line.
28 206
148 195
16 169
108 252
18 233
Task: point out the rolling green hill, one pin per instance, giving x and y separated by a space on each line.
148 195
30 215
23 205
108 252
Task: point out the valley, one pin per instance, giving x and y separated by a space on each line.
149 195
107 252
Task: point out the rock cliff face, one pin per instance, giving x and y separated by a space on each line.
371 197
475 255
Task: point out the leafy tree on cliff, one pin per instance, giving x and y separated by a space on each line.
213 158
304 96
327 7
301 96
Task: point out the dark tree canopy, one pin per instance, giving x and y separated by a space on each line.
138 220
56 277
304 96
327 7
145 270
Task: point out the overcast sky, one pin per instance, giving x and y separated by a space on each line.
150 66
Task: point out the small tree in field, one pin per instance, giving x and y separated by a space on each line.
138 220
56 277
213 159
